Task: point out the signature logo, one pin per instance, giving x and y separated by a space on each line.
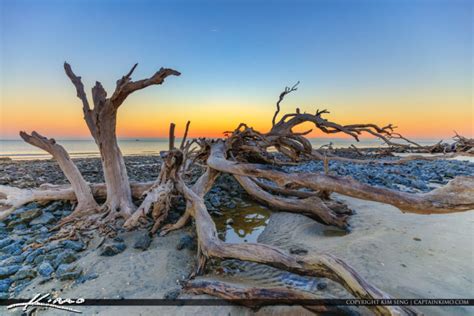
42 300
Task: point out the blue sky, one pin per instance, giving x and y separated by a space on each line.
389 57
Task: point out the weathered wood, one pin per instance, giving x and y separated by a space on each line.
101 121
255 297
321 265
456 196
85 200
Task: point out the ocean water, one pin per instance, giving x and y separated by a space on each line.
20 150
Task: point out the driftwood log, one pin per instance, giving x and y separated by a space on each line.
252 158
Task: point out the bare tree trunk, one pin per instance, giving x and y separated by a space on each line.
101 121
85 200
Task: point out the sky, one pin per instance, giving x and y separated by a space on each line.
409 63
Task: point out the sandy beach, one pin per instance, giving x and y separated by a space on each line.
407 255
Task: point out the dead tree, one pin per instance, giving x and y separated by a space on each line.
101 121
245 154
85 200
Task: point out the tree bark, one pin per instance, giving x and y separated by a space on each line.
85 200
101 121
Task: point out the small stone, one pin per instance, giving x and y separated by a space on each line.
5 285
8 270
298 251
67 256
26 272
70 275
231 204
13 249
44 219
229 221
32 256
172 295
112 249
322 285
28 216
186 242
12 259
45 269
73 245
417 239
403 265
5 242
143 242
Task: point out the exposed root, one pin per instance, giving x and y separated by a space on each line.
456 196
254 297
323 265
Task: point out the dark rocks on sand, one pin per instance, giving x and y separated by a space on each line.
67 272
5 242
14 248
67 256
32 256
298 251
188 242
26 272
29 215
5 285
112 249
44 219
73 245
172 295
143 242
8 270
45 269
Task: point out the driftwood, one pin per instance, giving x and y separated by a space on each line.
101 121
250 156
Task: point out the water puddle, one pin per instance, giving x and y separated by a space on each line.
242 224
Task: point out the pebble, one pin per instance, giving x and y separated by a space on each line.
112 249
29 215
44 219
143 242
73 245
8 270
67 256
188 242
172 295
45 269
26 272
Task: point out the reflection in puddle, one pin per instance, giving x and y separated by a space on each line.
242 224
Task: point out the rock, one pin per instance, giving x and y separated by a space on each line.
44 219
8 270
11 260
67 256
215 201
32 256
112 249
5 285
5 242
28 216
45 269
188 242
85 278
73 275
172 295
143 242
229 221
322 285
13 249
298 251
13 223
417 239
231 204
73 245
26 272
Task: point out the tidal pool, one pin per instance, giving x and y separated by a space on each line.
243 223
